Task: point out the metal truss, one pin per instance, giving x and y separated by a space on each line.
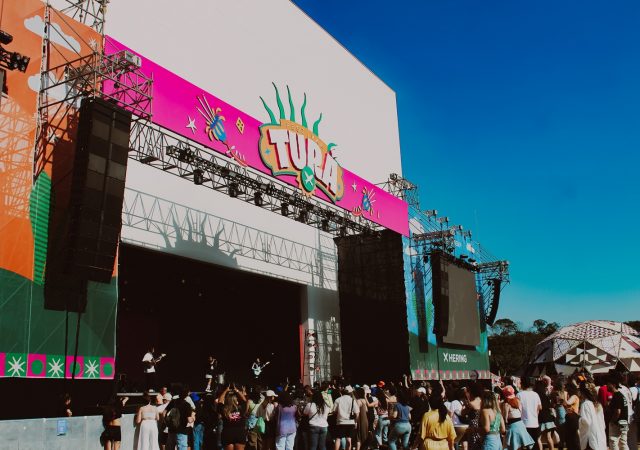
16 152
321 343
402 188
116 78
172 153
190 232
430 233
88 12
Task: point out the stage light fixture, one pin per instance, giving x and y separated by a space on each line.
425 259
303 216
257 198
234 190
324 224
343 231
284 209
198 177
5 38
185 155
431 212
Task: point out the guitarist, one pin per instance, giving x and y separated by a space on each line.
257 367
150 375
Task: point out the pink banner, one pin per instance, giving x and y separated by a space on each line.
281 148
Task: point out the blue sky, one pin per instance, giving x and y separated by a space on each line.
520 121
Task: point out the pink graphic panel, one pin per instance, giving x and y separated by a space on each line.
186 109
107 368
36 365
78 367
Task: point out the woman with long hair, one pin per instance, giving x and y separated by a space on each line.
492 422
436 428
317 411
362 424
234 417
517 435
591 426
112 435
558 397
400 423
147 420
382 410
286 422
545 416
471 413
572 405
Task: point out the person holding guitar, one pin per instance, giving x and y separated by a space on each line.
150 375
257 367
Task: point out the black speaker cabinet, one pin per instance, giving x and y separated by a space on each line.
88 191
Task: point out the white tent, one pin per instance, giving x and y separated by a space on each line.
596 345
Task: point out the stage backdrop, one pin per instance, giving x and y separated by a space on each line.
428 360
32 339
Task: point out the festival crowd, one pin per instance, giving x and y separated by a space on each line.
567 412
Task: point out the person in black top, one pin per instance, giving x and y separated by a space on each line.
179 435
210 370
618 414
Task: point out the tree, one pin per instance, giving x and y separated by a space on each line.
635 324
545 328
504 327
511 346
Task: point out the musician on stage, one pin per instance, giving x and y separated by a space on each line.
210 372
150 374
257 367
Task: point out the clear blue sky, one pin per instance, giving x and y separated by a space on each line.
520 121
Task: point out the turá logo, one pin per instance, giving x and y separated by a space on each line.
291 148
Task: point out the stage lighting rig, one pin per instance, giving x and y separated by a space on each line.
5 38
11 60
198 177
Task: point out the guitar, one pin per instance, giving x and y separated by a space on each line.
154 361
257 368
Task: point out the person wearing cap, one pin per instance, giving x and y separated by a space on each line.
267 412
419 404
346 412
517 435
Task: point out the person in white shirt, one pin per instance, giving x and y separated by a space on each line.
150 375
317 411
591 427
346 412
530 405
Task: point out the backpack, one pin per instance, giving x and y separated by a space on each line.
173 419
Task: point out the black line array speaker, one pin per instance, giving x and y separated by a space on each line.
440 286
88 192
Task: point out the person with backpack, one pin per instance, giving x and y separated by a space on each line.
178 415
346 413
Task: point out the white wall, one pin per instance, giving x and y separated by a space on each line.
235 48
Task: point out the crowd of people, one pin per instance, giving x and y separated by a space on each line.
567 412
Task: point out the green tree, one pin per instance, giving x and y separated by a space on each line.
504 327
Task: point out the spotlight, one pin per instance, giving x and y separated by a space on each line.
13 60
284 209
186 155
425 259
234 190
5 38
303 216
198 177
324 224
343 231
257 198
